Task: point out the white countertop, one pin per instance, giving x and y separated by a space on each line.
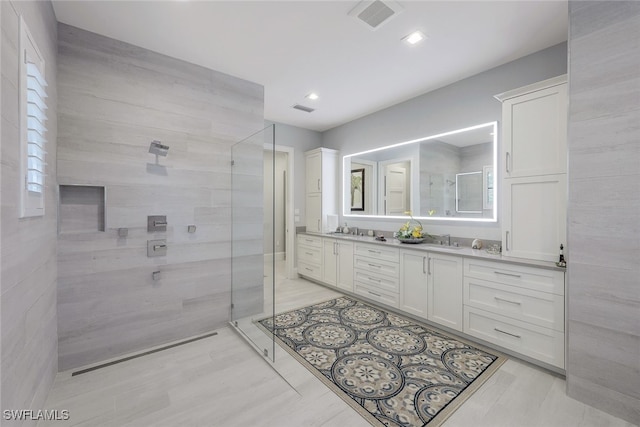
451 250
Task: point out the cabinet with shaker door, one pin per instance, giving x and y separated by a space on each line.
533 164
321 188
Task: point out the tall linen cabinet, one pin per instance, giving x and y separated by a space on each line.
321 189
533 165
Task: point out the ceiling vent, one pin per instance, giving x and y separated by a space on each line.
303 108
375 13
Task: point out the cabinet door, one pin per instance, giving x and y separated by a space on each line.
534 217
535 133
313 213
445 290
330 265
314 172
344 278
413 283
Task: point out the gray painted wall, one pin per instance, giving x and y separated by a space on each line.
603 357
465 103
114 99
28 263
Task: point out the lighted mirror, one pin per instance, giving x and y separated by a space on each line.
449 176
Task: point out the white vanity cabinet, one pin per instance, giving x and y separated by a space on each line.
321 188
413 282
309 251
337 266
431 287
533 162
445 290
520 308
377 273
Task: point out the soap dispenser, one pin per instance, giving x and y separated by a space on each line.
345 229
561 261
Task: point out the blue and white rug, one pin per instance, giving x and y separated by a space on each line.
393 370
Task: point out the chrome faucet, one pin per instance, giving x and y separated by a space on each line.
354 231
448 236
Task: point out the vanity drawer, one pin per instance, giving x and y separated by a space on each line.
388 298
539 308
310 254
310 270
377 252
375 265
529 340
539 279
307 240
378 281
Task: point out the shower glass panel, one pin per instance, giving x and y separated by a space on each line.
253 270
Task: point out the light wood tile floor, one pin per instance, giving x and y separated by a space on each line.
223 381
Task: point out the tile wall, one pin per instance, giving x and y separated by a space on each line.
603 359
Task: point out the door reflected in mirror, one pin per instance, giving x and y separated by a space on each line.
445 176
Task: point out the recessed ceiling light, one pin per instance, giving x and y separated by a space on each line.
415 37
313 96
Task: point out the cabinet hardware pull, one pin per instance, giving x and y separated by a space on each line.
308 269
508 333
337 248
375 280
373 293
506 300
506 162
309 253
373 265
318 183
429 265
318 225
506 240
373 252
308 240
156 247
507 274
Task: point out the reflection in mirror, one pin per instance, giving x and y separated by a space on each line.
469 192
357 189
445 176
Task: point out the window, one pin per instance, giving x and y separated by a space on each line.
33 131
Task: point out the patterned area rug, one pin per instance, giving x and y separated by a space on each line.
392 370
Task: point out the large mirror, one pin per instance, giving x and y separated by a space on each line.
446 176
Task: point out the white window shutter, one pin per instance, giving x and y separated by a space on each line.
33 96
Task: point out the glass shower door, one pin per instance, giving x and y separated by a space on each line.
252 257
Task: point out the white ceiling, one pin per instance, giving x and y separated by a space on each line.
296 47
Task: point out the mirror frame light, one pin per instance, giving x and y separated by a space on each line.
346 192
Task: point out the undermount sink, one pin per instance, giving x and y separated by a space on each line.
346 235
436 245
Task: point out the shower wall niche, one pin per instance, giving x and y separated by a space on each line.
81 209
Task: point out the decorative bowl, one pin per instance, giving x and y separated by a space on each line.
411 239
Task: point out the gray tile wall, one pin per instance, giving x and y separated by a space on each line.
28 248
114 99
603 359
